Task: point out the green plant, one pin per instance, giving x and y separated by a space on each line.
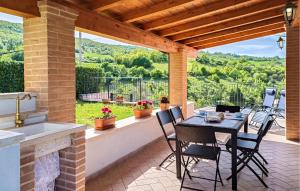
106 113
164 100
144 104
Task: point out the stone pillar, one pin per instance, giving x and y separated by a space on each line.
49 60
292 83
178 79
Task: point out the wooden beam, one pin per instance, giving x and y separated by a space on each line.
24 8
233 14
252 36
101 5
155 9
229 24
188 15
237 35
274 22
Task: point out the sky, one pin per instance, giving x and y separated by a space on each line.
260 47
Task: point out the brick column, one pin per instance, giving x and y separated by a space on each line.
178 79
27 168
292 83
49 60
72 165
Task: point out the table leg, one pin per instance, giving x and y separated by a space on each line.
246 126
234 160
178 160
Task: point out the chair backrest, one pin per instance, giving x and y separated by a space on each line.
176 114
164 118
281 102
264 121
269 97
265 128
194 134
231 109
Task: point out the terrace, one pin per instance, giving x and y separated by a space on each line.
126 157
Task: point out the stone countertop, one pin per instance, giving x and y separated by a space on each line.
60 130
15 94
9 138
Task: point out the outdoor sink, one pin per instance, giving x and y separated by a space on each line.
41 132
41 129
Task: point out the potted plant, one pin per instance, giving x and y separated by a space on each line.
106 120
143 108
120 99
164 103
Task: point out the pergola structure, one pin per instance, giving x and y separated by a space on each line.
177 27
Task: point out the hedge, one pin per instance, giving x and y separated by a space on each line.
88 77
11 77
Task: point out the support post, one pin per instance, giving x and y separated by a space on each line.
292 83
178 79
49 60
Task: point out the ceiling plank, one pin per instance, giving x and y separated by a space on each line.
101 5
214 19
91 22
274 22
229 24
155 9
197 12
234 35
26 8
252 36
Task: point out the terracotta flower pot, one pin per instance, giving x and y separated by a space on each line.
120 100
102 124
142 113
105 100
164 106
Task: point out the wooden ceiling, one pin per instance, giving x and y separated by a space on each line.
193 23
196 23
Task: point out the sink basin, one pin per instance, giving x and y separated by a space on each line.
45 129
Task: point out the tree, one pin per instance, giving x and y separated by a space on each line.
142 60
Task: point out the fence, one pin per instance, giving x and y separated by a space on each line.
132 89
203 93
212 93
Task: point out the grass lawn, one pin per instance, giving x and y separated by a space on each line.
86 111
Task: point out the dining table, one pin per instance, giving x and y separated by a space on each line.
230 124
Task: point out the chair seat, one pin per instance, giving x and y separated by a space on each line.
248 136
201 151
172 137
243 144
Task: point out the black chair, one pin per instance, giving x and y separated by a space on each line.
249 149
231 109
176 114
203 145
254 136
165 118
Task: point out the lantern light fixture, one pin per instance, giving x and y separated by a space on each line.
289 13
280 42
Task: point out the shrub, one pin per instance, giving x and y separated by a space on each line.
11 77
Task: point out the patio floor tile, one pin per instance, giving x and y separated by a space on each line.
140 172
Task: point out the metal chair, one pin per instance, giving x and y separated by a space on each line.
164 118
254 136
231 109
199 139
249 149
176 114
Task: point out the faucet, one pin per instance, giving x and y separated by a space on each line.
20 122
